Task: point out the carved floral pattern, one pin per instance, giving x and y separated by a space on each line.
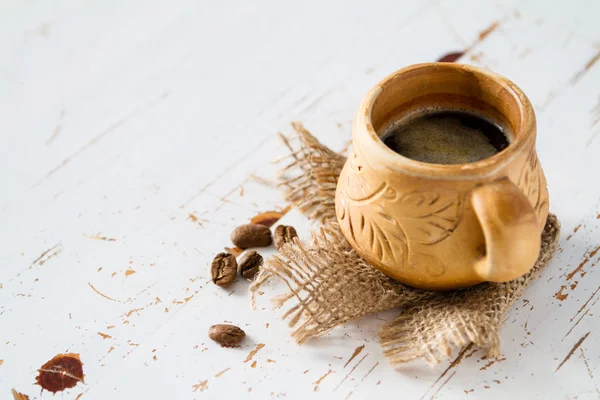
421 218
533 184
433 216
372 228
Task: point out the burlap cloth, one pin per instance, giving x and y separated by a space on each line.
328 283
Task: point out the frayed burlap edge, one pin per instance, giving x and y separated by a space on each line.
329 283
309 175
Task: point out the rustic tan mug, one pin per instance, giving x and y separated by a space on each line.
438 226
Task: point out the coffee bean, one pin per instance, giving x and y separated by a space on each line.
226 335
250 264
251 235
223 269
284 234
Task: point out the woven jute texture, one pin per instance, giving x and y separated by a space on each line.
328 283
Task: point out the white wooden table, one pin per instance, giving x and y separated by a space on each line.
129 130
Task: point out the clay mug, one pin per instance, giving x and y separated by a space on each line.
444 226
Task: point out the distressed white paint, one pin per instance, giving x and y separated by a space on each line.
122 118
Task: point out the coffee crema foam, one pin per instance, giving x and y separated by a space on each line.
446 136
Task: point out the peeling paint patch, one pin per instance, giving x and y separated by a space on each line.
253 352
201 386
195 219
47 255
454 364
103 295
318 381
371 370
356 352
486 32
492 362
349 373
587 257
135 310
560 295
575 347
219 374
586 303
587 365
451 57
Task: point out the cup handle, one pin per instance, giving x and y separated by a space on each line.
510 228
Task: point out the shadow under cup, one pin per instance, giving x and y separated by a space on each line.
443 87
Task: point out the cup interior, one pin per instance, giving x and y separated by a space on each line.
447 86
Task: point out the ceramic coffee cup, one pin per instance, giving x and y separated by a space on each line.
438 226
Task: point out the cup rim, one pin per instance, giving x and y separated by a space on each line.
363 128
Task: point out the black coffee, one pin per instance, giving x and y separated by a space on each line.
445 137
